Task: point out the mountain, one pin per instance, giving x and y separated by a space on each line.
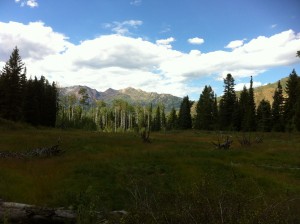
267 91
262 92
131 95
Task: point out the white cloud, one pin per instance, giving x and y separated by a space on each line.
136 2
273 26
240 86
120 61
45 40
30 3
235 44
122 28
196 40
166 42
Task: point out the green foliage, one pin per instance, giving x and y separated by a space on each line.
32 101
172 121
249 119
184 117
264 116
278 109
292 95
205 110
227 103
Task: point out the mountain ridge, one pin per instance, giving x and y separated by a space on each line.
129 94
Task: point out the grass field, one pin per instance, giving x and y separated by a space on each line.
178 178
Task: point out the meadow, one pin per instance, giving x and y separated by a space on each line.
177 178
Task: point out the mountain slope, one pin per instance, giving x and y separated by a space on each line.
131 95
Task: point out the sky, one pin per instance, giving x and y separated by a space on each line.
163 46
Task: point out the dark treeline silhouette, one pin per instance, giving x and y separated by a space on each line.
34 101
241 114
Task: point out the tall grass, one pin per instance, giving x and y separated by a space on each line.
178 178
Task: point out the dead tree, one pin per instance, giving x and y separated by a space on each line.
145 135
223 142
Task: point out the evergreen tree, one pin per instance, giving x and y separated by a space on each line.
163 118
205 110
291 100
277 109
264 118
184 118
250 122
12 83
227 103
215 114
157 120
243 104
172 121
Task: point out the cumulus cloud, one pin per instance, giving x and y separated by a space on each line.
196 40
166 42
120 61
136 2
235 44
122 28
35 39
30 3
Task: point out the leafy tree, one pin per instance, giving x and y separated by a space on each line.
185 118
277 109
264 118
227 103
298 54
205 110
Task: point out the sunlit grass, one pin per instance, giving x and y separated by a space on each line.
114 165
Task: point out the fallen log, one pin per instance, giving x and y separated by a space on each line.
12 212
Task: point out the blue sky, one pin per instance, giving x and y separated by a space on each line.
164 46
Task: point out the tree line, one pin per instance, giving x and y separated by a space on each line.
38 102
34 101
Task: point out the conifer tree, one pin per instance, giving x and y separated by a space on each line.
243 104
172 121
184 118
157 120
291 100
205 110
264 118
277 109
12 83
227 103
251 110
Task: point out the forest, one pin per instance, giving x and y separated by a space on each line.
38 102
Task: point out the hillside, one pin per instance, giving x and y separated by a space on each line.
131 95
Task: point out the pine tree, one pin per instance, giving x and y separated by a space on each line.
184 118
157 120
264 116
277 109
12 83
243 104
205 110
163 118
251 110
291 100
227 103
172 121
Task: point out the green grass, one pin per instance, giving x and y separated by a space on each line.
178 175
